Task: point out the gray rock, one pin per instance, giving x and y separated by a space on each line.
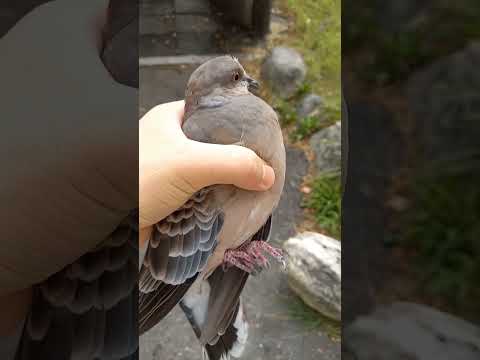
445 100
397 16
327 146
284 69
411 331
310 105
278 25
314 271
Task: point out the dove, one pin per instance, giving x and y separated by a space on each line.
201 255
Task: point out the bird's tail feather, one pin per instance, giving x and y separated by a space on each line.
229 345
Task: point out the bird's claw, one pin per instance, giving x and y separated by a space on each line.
251 259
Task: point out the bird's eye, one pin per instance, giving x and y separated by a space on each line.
236 76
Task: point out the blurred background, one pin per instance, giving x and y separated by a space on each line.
411 249
293 48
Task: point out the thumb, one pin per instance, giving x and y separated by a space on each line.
228 164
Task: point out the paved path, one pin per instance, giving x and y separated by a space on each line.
193 27
174 27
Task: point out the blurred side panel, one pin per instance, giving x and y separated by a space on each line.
75 295
411 249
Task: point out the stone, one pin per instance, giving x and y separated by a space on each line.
195 23
157 25
314 271
278 25
194 43
405 330
327 147
284 70
398 16
192 6
445 101
156 8
310 105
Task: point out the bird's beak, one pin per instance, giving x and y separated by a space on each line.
252 84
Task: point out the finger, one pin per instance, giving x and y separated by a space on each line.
165 121
175 108
227 164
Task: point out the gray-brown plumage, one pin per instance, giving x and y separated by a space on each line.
218 236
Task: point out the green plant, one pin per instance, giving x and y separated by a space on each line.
312 320
317 35
286 112
303 89
396 57
445 232
325 201
305 127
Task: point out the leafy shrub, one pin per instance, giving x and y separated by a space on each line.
325 201
445 230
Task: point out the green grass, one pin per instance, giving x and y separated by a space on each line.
286 112
305 127
445 232
316 35
318 38
312 320
325 201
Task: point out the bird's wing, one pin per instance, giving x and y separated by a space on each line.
154 306
77 312
214 310
178 250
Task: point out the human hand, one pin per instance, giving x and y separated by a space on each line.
71 141
172 167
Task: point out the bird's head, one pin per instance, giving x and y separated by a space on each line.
220 75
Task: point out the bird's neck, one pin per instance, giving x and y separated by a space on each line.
213 99
190 106
193 102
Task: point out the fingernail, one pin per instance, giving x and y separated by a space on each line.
268 178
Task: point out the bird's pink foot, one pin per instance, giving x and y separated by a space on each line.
251 257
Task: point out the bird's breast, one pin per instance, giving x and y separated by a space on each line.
247 121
